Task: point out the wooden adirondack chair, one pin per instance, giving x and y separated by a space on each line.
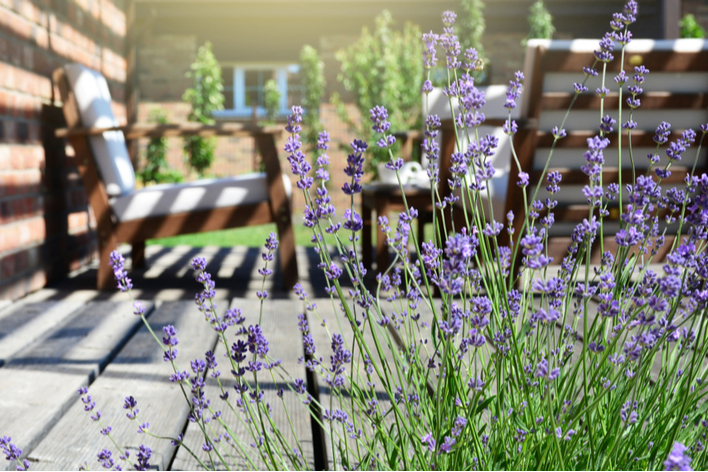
127 215
675 90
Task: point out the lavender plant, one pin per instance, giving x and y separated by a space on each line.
512 366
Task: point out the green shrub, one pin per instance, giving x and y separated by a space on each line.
471 25
383 68
540 22
271 97
205 97
690 27
313 82
156 168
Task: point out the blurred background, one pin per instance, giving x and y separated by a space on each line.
335 57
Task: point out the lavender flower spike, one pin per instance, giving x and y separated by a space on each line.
12 452
678 460
121 276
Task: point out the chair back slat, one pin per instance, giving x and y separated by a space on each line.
93 100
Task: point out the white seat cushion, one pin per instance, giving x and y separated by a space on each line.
109 150
169 199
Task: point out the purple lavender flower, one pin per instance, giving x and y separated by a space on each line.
143 455
662 133
447 445
298 162
322 141
523 179
170 341
514 91
105 458
607 124
607 45
678 459
431 40
459 426
121 276
355 168
428 441
379 117
12 452
138 309
472 61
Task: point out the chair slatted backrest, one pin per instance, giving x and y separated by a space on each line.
675 91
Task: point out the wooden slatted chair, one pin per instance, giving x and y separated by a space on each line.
127 215
675 90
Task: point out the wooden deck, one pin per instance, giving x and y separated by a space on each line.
68 335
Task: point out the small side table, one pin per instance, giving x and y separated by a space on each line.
385 198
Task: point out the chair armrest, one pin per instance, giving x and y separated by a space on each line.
150 130
522 123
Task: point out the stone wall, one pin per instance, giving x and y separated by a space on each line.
45 222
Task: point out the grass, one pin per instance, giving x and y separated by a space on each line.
251 236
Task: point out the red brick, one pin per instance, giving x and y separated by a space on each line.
77 222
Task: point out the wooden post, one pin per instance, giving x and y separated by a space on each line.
280 208
97 196
671 14
131 77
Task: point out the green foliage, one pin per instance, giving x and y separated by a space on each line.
156 168
271 97
205 97
200 153
470 26
383 68
313 82
690 27
540 22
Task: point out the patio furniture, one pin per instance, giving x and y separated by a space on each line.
127 215
385 198
675 91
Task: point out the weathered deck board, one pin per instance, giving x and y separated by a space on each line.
24 323
279 326
140 371
40 383
336 323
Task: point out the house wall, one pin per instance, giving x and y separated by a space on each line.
45 222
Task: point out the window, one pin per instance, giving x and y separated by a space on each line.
243 88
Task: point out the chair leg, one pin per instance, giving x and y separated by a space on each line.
137 253
382 258
105 280
367 229
288 257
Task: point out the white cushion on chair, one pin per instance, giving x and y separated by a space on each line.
109 149
169 199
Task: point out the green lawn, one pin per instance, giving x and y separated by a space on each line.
252 236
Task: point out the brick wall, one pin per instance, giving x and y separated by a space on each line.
163 62
45 222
